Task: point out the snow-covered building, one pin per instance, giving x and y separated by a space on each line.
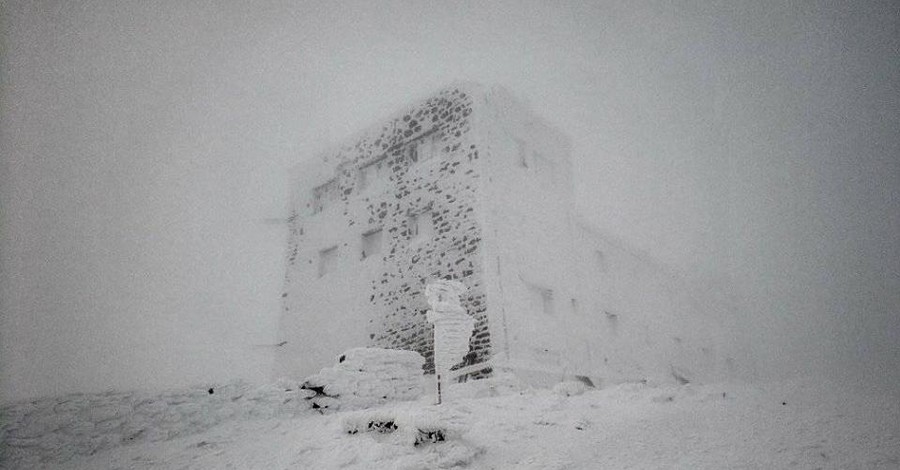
469 184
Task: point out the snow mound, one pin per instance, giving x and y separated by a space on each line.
570 388
365 377
412 437
501 383
418 427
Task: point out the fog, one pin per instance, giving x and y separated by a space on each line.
752 146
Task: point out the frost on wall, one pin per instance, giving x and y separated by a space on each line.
416 181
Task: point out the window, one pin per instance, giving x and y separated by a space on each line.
372 171
425 148
612 321
535 161
324 194
371 243
420 225
327 260
547 301
541 299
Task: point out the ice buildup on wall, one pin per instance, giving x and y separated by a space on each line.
452 326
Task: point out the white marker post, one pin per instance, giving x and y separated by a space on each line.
452 326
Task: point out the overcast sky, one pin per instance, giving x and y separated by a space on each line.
752 145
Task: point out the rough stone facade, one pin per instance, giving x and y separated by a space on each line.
424 164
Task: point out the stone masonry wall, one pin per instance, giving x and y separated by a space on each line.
445 189
58 428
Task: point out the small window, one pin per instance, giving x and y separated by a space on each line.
420 225
585 380
371 243
372 171
541 299
612 321
327 260
534 161
323 194
547 298
426 148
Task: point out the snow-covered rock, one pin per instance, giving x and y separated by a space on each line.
365 377
570 388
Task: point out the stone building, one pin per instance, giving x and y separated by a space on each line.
469 184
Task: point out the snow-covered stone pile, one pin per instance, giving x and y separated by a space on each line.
366 377
57 428
411 427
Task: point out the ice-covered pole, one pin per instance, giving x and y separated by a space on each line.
452 326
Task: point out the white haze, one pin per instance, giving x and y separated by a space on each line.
752 145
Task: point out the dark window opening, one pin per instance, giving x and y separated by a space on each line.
327 260
371 243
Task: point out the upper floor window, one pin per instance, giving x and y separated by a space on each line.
534 161
541 299
327 260
612 321
425 148
372 171
371 243
420 225
323 194
547 301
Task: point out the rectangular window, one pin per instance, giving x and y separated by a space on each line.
372 171
327 260
371 243
420 225
425 148
612 321
323 194
535 162
541 299
547 298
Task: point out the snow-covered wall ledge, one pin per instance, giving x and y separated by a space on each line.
57 428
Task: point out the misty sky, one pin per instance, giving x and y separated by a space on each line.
752 145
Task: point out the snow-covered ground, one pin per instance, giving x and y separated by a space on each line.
495 425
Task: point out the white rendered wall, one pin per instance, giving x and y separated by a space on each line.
651 322
333 319
528 240
624 317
